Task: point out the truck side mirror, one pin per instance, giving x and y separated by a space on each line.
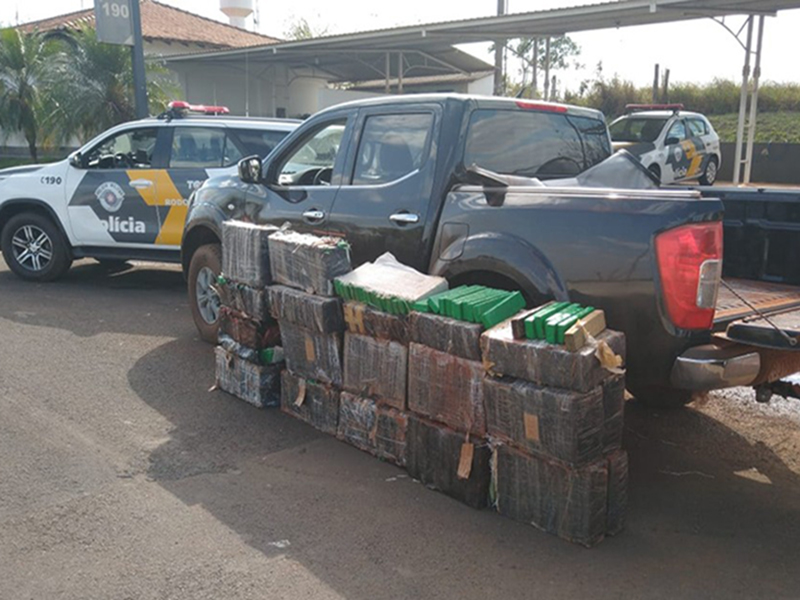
250 169
671 141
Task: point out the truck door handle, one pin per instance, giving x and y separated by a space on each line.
314 215
141 183
404 218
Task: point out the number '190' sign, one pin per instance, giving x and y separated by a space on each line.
114 24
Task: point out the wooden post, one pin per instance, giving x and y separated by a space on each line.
655 85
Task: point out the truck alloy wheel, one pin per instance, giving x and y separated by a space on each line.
204 299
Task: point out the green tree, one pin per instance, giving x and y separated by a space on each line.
301 29
26 70
93 87
530 54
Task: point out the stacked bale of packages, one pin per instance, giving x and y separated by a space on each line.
311 323
557 415
373 413
249 358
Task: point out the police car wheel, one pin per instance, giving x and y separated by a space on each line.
709 175
656 171
34 248
204 300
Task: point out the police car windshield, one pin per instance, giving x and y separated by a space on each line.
633 129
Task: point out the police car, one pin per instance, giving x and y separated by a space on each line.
673 144
125 194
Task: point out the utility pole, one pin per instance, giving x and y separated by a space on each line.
137 59
499 47
535 81
547 68
665 94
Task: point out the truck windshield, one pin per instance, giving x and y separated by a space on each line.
632 129
535 144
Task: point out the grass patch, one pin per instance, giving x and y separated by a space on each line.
19 161
776 127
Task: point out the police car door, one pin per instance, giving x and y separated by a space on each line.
114 202
676 146
698 135
197 153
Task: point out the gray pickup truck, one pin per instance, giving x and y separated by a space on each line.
515 194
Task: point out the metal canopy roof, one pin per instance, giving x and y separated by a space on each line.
428 49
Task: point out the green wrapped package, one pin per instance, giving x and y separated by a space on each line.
552 322
532 323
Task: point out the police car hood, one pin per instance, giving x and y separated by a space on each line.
20 170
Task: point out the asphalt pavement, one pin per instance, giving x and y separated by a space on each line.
123 477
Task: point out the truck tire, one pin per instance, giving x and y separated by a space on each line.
204 268
656 171
661 397
710 173
34 247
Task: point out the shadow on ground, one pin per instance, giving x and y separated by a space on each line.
696 528
94 294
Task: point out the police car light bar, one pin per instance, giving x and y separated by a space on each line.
180 105
637 107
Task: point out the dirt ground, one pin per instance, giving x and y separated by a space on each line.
123 477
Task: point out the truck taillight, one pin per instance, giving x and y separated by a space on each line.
690 266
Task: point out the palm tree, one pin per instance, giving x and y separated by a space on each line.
26 66
93 87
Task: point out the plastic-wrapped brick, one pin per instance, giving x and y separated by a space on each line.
312 355
316 404
614 412
551 422
245 252
308 262
379 430
617 491
365 320
566 501
446 388
247 331
544 363
447 461
259 385
242 298
447 335
376 368
317 313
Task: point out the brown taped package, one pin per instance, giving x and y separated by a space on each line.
446 388
316 404
379 430
447 335
250 301
248 332
312 355
245 252
449 462
569 502
316 313
259 385
308 262
546 364
365 320
551 422
376 368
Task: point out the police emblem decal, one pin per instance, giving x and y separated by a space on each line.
110 195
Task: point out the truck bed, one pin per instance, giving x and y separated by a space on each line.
768 298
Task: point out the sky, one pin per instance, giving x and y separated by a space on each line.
693 51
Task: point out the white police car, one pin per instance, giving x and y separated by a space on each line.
125 194
674 144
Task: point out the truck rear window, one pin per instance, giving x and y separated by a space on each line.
535 144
